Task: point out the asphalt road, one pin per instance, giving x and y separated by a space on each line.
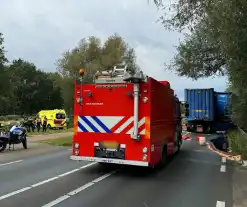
196 177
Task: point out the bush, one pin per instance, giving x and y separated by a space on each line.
238 143
9 117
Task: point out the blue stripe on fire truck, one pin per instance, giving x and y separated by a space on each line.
81 127
92 124
89 124
108 124
99 122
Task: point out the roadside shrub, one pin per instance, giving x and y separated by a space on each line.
9 117
238 143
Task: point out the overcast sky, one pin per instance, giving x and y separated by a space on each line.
40 30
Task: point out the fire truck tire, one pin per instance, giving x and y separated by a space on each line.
164 158
179 142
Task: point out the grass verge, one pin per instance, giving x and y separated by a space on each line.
50 131
238 143
62 141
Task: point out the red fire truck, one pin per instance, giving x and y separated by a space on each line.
125 119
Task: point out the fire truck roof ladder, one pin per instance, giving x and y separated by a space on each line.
119 74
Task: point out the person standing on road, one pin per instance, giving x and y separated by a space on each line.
44 124
38 124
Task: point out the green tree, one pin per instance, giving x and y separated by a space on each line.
200 54
3 59
92 55
57 100
183 14
5 85
34 90
216 44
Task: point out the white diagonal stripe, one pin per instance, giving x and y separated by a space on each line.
95 124
110 121
140 123
84 124
124 125
143 131
78 128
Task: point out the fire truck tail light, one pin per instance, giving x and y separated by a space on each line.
145 99
144 149
76 145
144 157
76 152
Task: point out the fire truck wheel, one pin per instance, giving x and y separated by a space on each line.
164 158
179 142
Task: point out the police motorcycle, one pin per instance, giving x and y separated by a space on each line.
16 135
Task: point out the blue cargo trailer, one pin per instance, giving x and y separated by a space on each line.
223 105
201 104
208 110
201 109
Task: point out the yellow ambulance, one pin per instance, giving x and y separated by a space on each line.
56 118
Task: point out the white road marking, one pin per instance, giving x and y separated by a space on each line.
67 173
220 204
78 190
14 193
55 202
9 163
44 181
222 168
70 149
223 159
